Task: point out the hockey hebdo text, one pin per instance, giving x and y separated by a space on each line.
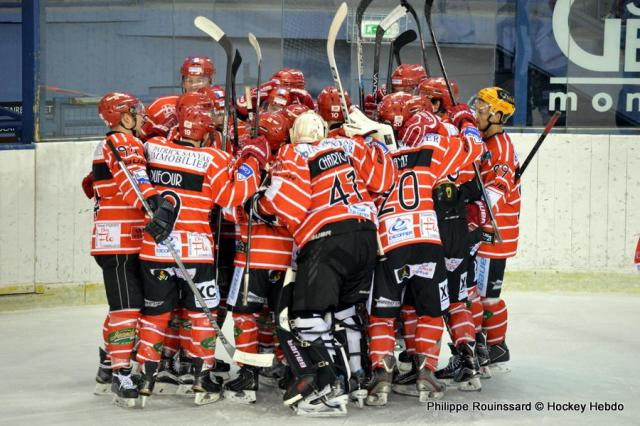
546 406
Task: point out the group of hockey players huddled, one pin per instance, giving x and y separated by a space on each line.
359 246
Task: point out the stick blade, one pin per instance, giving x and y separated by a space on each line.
399 12
338 19
405 38
208 27
253 41
258 360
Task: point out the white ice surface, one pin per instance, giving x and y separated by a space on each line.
564 348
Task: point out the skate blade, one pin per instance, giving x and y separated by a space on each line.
204 398
165 388
242 397
499 367
339 409
426 396
358 397
102 389
185 390
408 390
124 402
143 400
471 385
485 372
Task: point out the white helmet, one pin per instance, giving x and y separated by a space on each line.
307 128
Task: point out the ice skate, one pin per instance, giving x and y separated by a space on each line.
358 388
207 388
380 384
271 376
243 388
328 402
124 389
104 374
186 378
482 352
167 382
426 383
221 369
404 362
148 381
405 383
467 377
499 355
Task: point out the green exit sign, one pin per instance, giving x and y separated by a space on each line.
369 28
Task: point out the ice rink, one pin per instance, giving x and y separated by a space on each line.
565 348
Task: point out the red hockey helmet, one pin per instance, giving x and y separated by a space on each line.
194 123
113 104
216 96
279 98
290 78
329 104
398 107
406 77
275 127
161 116
201 100
436 89
293 111
418 126
198 66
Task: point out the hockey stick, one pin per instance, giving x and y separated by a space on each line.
235 66
338 19
259 360
552 122
397 13
423 48
245 295
427 12
212 30
362 6
394 51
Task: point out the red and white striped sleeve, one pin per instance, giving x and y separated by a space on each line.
231 183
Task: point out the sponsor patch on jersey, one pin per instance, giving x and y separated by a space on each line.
462 292
199 245
424 270
429 226
444 295
361 210
244 172
163 251
107 235
399 228
209 292
482 274
473 133
141 177
431 139
452 263
383 302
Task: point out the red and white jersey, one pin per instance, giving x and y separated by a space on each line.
194 179
406 213
313 185
119 219
498 175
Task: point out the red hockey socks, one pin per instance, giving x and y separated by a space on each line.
409 322
495 320
246 332
428 334
461 324
474 304
152 329
265 330
105 333
172 335
203 337
121 336
381 335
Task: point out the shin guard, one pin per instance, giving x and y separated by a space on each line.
495 320
245 330
382 340
428 334
461 324
409 321
152 334
203 337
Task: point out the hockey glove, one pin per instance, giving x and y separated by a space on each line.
164 216
254 214
461 114
87 185
257 148
477 215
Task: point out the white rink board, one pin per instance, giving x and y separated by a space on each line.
580 211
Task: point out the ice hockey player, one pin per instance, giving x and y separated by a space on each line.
271 252
414 258
407 77
329 108
193 179
494 106
322 196
117 238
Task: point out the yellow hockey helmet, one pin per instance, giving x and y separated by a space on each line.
499 100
